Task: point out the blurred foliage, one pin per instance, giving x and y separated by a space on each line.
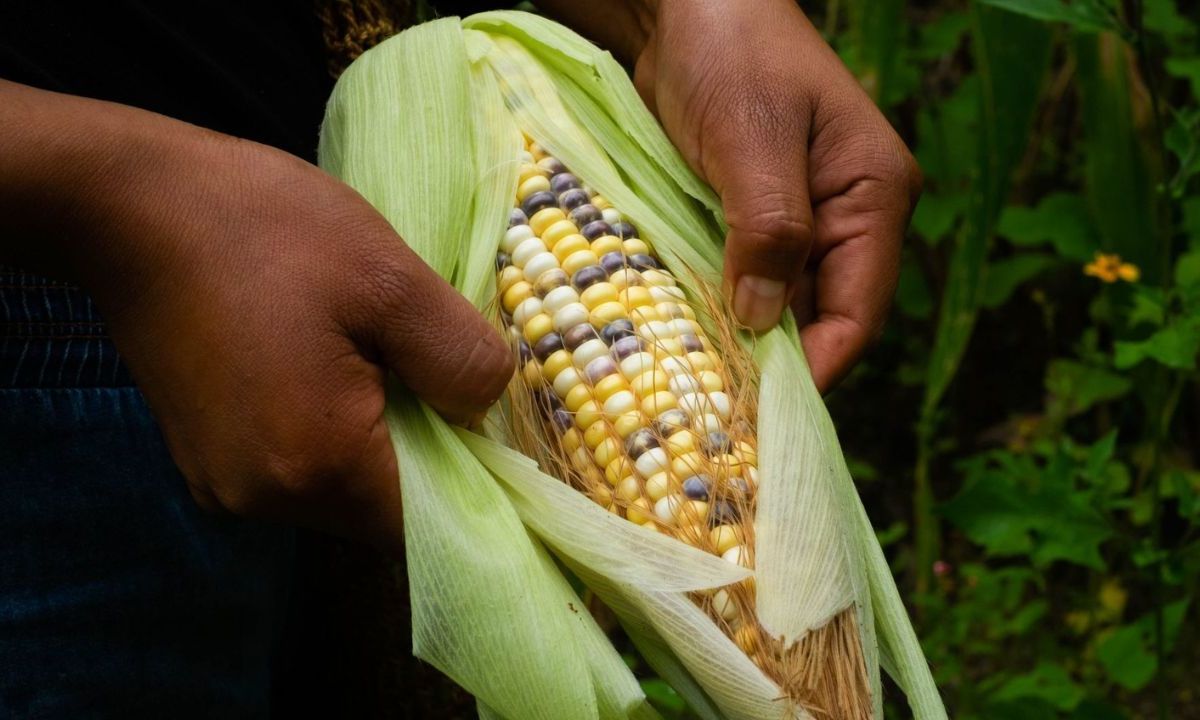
1030 424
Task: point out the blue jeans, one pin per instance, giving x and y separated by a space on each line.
118 597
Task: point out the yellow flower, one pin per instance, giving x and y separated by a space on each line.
1110 269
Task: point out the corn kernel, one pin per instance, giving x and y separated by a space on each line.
606 312
595 434
610 385
532 373
620 403
578 260
627 277
682 442
589 351
724 606
568 246
627 424
571 440
528 170
652 462
559 231
509 276
666 508
636 364
738 555
558 361
746 453
566 379
601 493
536 327
636 246
598 294
628 489
711 381
640 512
606 244
576 397
607 451
747 639
543 219
659 485
535 183
617 470
649 382
688 464
517 293
730 465
667 347
724 537
570 315
538 264
644 314
657 277
600 203
658 403
635 296
588 413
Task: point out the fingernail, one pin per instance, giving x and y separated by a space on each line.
758 301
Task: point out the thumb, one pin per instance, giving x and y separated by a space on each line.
759 168
437 343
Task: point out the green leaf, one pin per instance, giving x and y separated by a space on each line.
936 215
1078 387
1174 346
1003 277
941 36
1186 68
1093 709
1081 14
912 292
993 514
1126 657
1187 269
1149 307
1061 220
1048 682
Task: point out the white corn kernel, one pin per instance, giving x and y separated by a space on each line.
566 380
526 250
558 298
515 235
527 309
589 351
652 462
636 364
569 316
539 264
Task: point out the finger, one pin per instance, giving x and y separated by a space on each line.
857 256
436 342
757 163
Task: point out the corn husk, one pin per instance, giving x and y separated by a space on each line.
427 126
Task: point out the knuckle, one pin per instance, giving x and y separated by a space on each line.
775 235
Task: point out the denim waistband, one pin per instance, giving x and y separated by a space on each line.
51 336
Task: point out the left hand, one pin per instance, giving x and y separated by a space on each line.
816 186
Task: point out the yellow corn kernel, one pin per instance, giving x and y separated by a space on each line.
588 413
687 465
725 537
532 184
634 246
701 361
606 312
544 218
556 232
558 361
658 486
628 489
610 385
628 423
607 451
576 397
639 511
596 433
618 469
600 203
730 465
528 170
509 276
649 382
606 244
643 314
516 294
667 347
681 442
532 372
537 326
600 492
746 453
571 440
658 403
711 381
577 261
636 296
598 294
568 246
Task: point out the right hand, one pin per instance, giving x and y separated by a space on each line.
259 304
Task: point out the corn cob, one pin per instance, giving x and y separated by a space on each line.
639 410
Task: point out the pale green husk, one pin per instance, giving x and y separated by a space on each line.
425 126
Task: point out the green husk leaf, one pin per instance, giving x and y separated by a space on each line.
577 527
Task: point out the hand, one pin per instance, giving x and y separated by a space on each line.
258 302
816 186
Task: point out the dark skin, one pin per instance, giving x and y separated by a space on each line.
260 303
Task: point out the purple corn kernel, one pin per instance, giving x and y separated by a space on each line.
690 343
502 260
613 261
562 182
626 346
697 487
524 352
517 217
562 420
584 215
599 368
539 201
616 330
717 443
573 198
639 442
546 346
588 276
671 421
723 512
578 335
641 261
594 229
624 230
552 165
